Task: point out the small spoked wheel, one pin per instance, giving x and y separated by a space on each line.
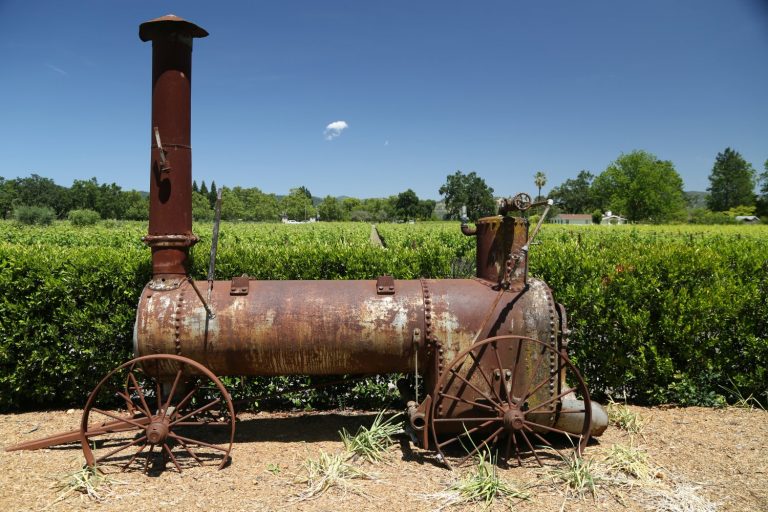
518 397
155 409
522 201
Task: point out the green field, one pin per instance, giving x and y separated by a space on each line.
661 314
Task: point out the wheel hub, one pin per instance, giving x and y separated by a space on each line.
157 431
513 420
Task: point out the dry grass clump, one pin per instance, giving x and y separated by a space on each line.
680 498
90 481
629 461
329 471
480 485
579 475
622 417
372 443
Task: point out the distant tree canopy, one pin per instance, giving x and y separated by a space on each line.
539 179
732 182
467 190
575 195
642 188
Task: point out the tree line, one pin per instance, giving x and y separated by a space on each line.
637 185
642 188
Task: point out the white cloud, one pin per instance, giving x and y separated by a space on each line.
56 69
334 129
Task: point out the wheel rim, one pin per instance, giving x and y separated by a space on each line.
169 407
506 394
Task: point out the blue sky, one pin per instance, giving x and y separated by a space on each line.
425 88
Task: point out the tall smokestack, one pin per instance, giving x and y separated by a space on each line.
170 189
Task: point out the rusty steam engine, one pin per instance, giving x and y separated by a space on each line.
490 352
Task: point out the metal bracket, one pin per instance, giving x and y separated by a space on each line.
165 167
240 285
385 285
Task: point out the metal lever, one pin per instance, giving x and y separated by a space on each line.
165 167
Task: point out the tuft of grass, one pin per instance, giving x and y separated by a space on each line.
629 461
274 468
578 474
681 498
620 416
371 443
742 402
90 481
329 471
482 485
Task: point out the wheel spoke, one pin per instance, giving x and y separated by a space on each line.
550 400
514 367
543 440
454 420
196 411
465 433
459 399
517 450
184 401
490 438
135 455
170 454
149 456
476 390
170 395
485 377
117 450
550 429
501 371
189 450
200 443
530 446
129 421
140 393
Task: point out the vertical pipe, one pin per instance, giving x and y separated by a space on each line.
170 189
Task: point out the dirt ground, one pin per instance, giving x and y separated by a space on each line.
705 459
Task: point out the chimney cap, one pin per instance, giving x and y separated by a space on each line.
169 23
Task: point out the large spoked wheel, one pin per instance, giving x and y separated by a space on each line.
509 394
157 408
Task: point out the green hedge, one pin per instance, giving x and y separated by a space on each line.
659 314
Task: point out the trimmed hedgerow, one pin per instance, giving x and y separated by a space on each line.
659 314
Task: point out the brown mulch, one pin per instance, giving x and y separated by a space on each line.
720 455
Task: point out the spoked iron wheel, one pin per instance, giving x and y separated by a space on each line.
155 409
514 395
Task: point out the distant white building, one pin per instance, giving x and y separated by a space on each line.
610 218
748 219
572 218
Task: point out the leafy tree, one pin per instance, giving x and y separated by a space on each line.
38 191
540 179
407 205
350 204
762 201
304 190
136 205
642 188
467 190
296 205
330 209
213 194
201 208
575 195
731 183
427 208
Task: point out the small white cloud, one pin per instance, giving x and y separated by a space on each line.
386 143
56 69
334 129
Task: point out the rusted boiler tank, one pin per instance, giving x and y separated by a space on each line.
491 352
